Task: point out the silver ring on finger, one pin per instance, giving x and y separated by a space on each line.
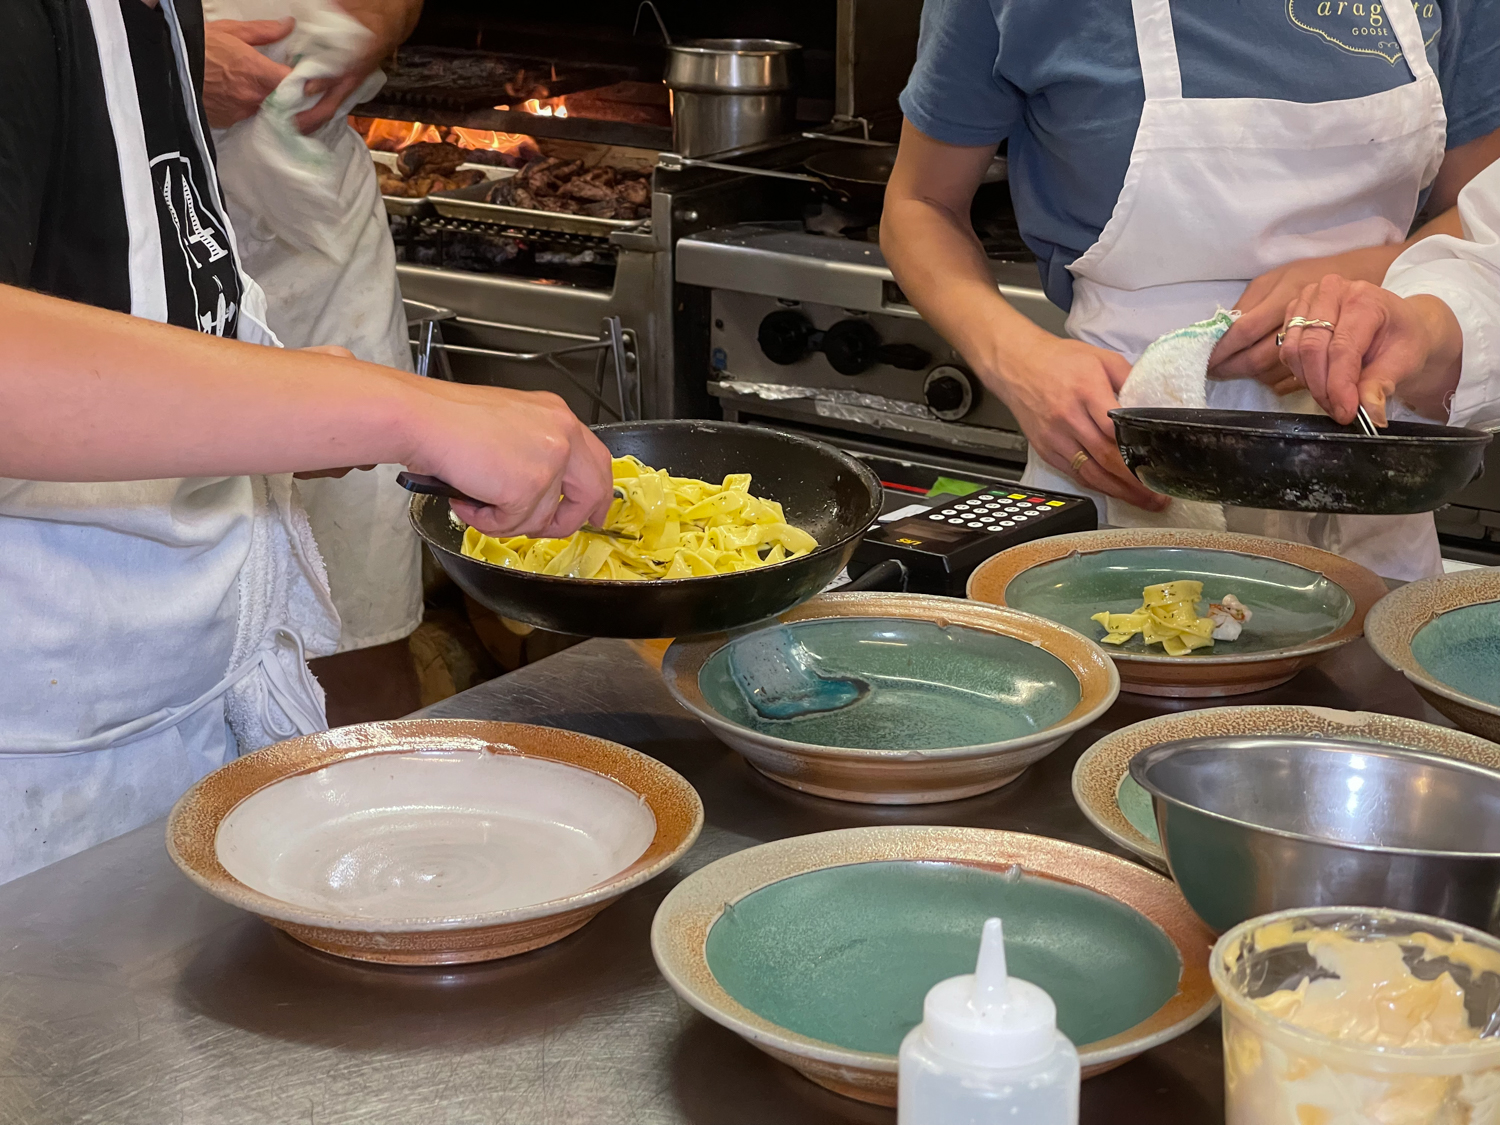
1305 322
1281 338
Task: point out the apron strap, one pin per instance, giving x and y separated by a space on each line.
295 693
1408 32
148 286
1157 45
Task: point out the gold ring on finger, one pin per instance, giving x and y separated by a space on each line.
1078 461
1304 322
1281 338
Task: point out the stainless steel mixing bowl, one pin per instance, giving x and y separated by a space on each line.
1254 825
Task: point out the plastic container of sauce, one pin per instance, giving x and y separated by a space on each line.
1358 1016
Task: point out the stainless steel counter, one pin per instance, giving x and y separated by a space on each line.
129 996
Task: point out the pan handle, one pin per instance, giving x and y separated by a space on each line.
432 486
887 571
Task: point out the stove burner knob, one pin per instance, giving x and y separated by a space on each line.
949 391
785 336
852 346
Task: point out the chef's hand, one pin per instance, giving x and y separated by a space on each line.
390 21
1248 350
1380 342
540 470
1062 393
237 77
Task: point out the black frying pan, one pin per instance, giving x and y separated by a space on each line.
1297 462
825 492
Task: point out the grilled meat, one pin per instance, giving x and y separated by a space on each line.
434 158
565 186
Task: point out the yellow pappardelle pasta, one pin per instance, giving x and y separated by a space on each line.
1169 617
687 529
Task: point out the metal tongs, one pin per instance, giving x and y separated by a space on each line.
1365 423
434 486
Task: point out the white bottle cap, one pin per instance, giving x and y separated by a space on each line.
988 1018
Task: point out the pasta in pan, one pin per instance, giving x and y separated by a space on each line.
683 528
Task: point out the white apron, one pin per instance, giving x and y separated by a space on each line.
149 625
313 233
1220 190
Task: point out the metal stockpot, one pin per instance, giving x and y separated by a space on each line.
729 93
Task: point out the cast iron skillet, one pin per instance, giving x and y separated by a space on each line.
1297 462
825 492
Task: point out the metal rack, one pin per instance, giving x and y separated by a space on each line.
615 347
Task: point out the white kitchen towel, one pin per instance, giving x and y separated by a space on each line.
270 158
1173 371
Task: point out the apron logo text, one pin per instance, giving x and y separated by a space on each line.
1359 26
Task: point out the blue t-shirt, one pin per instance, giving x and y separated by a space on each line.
1061 80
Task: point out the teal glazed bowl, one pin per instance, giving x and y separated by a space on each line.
963 697
820 949
1443 634
1303 601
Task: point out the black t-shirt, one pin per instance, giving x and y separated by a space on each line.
62 211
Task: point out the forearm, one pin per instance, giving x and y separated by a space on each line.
941 268
87 394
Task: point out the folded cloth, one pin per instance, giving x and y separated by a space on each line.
1173 371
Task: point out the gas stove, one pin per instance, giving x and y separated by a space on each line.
808 326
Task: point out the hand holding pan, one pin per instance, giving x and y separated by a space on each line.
432 486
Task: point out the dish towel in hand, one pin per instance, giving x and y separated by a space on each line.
267 156
1173 371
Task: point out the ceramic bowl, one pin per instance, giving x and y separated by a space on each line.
432 841
1121 809
1304 602
819 949
1036 683
1443 634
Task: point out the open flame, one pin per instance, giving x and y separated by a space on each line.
385 135
550 107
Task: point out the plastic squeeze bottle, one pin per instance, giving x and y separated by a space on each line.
987 1052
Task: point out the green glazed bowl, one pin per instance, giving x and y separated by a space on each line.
1443 634
965 696
1303 601
820 949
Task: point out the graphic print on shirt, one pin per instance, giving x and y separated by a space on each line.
207 266
1362 27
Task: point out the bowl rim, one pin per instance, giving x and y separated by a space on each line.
1151 755
680 928
1241 1006
420 501
1403 613
990 580
193 825
1098 679
1106 763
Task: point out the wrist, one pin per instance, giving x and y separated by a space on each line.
1431 388
1012 350
402 415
